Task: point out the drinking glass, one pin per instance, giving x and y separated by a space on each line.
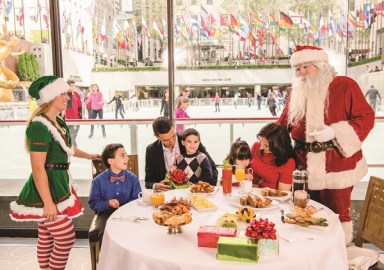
157 198
240 173
227 181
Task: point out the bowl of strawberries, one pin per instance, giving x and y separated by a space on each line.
178 179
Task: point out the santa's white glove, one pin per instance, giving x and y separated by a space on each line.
323 135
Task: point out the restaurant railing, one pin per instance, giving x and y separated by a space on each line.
135 134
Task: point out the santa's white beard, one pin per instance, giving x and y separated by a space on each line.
308 98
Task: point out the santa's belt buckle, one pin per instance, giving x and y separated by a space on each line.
316 147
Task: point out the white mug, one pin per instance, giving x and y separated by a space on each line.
245 186
145 195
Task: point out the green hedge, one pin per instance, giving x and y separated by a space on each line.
111 69
27 67
364 61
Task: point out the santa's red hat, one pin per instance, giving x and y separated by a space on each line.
307 53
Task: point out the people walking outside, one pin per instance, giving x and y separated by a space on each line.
165 103
372 94
88 106
48 196
181 113
271 103
74 110
118 99
184 93
97 101
135 103
235 99
217 102
258 98
249 96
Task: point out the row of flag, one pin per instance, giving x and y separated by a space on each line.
7 6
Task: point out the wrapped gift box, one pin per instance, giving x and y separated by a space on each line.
268 247
183 186
237 249
207 236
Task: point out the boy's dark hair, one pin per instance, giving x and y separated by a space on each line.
279 141
161 125
239 150
110 152
70 81
190 131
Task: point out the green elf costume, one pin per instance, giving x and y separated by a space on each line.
43 136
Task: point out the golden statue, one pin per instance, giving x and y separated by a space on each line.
8 79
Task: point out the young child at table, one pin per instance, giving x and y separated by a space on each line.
115 186
194 163
240 155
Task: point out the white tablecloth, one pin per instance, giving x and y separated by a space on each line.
146 245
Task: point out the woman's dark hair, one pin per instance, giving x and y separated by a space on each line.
190 131
279 141
239 150
110 152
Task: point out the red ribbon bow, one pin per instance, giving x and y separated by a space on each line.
114 178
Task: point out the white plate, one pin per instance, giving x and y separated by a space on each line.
235 201
198 197
257 191
215 189
140 201
330 217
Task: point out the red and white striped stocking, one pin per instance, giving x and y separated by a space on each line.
55 240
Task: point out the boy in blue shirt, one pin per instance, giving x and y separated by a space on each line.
115 186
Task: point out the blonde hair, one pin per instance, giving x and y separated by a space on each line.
39 110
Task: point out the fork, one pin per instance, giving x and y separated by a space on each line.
298 239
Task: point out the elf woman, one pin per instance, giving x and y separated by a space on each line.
48 196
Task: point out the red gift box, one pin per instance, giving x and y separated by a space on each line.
207 236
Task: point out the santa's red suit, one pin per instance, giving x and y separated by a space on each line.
334 171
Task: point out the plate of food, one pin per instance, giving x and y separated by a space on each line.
201 203
310 218
255 202
202 188
273 194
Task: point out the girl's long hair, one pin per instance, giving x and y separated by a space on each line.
239 150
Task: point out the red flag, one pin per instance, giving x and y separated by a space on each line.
21 18
223 20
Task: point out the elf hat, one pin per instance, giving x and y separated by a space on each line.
307 53
46 88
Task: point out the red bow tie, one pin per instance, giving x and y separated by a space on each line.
114 178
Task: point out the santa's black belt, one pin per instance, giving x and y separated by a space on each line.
57 166
315 147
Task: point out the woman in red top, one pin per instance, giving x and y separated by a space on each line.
273 158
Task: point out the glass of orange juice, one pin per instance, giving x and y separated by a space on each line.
157 198
240 173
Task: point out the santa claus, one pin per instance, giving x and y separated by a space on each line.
328 118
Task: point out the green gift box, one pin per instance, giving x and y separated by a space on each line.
183 186
237 249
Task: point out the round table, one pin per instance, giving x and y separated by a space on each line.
146 245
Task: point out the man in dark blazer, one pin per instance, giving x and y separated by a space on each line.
159 155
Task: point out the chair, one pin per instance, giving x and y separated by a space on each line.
98 222
371 223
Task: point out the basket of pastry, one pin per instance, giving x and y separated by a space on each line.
305 217
202 187
173 214
255 201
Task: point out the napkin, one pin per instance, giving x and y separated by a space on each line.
361 258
